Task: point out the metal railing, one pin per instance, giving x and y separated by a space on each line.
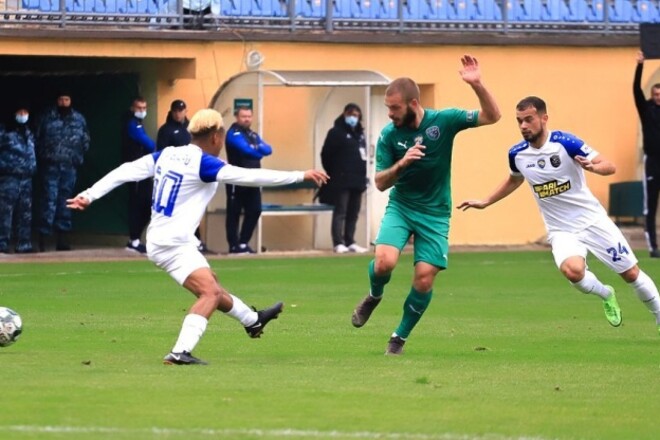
579 16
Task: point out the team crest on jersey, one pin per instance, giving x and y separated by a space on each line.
433 133
541 163
551 188
555 161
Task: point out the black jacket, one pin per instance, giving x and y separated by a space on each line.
173 133
649 115
344 156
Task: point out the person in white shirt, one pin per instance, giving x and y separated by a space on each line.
553 163
185 180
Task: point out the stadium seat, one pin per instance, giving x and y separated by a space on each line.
310 8
462 10
553 10
435 9
384 9
645 12
576 11
621 11
525 10
486 10
595 11
412 10
360 8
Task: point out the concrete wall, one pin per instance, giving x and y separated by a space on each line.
588 91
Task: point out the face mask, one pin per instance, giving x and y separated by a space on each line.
22 119
140 115
351 120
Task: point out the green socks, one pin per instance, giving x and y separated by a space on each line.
377 282
413 309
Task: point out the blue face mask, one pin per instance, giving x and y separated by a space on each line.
351 120
22 119
140 115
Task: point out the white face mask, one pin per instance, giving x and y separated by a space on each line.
22 119
351 120
140 115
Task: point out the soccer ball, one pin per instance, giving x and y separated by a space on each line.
11 326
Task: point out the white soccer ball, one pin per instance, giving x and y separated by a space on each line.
11 326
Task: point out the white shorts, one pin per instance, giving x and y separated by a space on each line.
178 261
603 239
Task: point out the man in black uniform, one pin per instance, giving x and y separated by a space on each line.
649 115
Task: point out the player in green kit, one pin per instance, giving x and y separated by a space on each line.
414 157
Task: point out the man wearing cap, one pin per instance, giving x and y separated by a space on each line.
136 143
174 132
62 139
17 165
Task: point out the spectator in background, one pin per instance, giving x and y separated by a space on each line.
649 115
136 143
244 149
195 10
174 133
17 166
62 139
344 157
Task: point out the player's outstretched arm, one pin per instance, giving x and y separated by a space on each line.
79 202
471 74
598 165
503 190
265 177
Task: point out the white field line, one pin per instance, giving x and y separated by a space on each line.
265 433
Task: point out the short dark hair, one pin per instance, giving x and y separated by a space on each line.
406 87
532 101
241 107
138 99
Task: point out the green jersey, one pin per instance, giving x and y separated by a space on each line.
425 185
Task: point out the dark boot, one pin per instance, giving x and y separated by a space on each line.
62 242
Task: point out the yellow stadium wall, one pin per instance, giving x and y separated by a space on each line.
588 91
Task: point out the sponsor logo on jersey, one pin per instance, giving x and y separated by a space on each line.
530 165
555 161
419 140
433 133
469 116
404 144
550 189
541 163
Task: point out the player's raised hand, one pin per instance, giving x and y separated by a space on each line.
79 202
476 204
316 176
470 72
414 153
585 163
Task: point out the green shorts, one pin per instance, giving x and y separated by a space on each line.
430 234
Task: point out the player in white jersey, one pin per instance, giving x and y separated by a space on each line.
553 164
185 180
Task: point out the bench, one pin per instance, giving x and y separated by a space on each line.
626 202
276 209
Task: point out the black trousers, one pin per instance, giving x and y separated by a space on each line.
345 215
246 200
651 192
139 207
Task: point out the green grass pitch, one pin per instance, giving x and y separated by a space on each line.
507 350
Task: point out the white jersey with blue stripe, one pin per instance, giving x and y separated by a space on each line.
558 181
185 180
